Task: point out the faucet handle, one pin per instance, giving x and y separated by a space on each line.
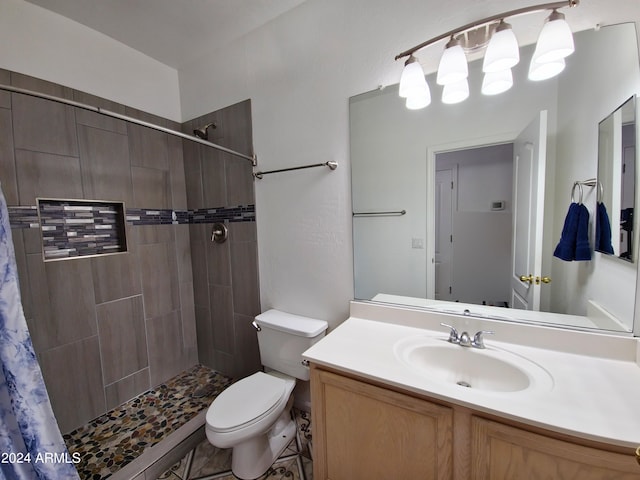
453 334
478 341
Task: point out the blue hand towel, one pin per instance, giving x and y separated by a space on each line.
566 248
583 249
603 230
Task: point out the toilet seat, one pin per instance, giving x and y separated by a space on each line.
246 402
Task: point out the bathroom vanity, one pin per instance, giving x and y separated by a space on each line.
393 398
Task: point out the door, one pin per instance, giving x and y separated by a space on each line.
445 189
530 153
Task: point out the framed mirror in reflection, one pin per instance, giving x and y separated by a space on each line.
617 183
453 172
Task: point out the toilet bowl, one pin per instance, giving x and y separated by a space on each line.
253 415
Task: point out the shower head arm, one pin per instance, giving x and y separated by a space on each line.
202 132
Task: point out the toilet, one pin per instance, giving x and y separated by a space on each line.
252 416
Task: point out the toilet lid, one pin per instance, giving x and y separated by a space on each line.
244 401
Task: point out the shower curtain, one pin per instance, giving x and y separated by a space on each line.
31 445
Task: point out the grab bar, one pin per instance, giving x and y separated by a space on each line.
331 165
380 214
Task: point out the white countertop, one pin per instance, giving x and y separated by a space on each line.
596 378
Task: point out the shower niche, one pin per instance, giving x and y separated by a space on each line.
81 228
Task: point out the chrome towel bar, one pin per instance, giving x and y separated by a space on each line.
380 214
331 165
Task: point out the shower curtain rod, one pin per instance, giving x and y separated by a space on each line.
253 159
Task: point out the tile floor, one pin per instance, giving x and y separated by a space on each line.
207 462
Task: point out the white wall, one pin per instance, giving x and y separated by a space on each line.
45 45
299 70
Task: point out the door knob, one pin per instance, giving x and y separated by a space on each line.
527 279
545 279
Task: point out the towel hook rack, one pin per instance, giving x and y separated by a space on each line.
591 182
573 191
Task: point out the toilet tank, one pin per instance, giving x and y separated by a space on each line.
283 338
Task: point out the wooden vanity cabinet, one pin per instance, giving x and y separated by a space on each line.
501 451
363 431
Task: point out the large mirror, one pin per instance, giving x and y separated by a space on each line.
439 221
617 183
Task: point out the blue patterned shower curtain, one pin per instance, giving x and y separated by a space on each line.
31 445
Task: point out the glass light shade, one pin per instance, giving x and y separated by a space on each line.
453 64
543 71
412 78
502 52
555 40
455 92
494 83
419 99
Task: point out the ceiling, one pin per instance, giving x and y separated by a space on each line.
178 32
174 32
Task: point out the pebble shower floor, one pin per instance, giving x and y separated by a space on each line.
111 441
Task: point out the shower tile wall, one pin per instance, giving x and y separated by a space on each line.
108 328
226 294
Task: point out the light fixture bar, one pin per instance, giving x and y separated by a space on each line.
493 18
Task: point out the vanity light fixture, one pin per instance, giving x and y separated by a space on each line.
413 85
453 64
555 40
494 83
494 34
455 92
543 71
503 51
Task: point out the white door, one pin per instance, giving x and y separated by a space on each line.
530 153
445 189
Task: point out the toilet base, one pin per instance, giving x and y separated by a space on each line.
251 459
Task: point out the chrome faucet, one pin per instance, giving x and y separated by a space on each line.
464 339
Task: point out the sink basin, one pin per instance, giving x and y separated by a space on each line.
488 370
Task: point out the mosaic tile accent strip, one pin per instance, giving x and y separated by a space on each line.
76 228
24 217
27 217
142 216
232 214
109 442
241 213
